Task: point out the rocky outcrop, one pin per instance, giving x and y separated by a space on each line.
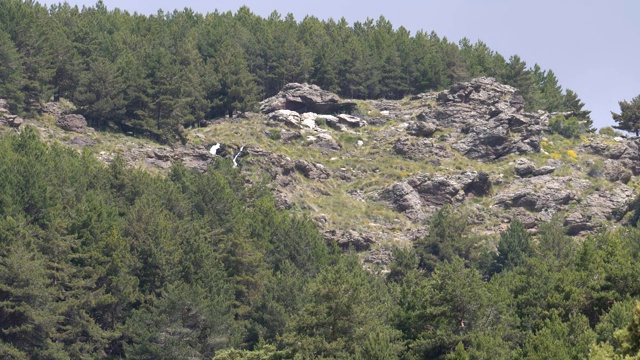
422 128
305 98
598 209
280 168
72 122
490 118
616 171
421 149
541 193
312 171
525 168
13 121
421 195
349 239
323 142
6 118
351 121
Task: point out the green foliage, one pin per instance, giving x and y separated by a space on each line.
560 340
609 131
514 247
629 117
447 239
153 75
122 263
344 315
570 128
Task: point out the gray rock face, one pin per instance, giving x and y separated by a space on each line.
404 198
82 141
422 194
288 117
421 149
351 121
349 238
525 168
541 193
626 153
615 171
490 118
4 106
13 121
599 208
421 128
280 168
305 98
323 142
72 122
544 170
311 170
52 108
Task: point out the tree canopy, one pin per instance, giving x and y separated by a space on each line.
112 262
629 117
156 74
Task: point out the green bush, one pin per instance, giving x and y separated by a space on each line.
570 128
609 131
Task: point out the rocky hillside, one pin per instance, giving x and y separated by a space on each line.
371 173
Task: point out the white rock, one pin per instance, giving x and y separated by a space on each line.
214 149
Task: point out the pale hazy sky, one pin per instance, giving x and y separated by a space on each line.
592 46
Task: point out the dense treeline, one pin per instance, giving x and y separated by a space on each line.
156 73
108 262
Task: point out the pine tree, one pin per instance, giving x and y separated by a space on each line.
514 247
629 117
574 104
11 73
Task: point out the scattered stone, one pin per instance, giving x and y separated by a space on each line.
351 121
52 108
289 136
381 256
4 107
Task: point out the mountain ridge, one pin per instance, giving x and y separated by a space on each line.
372 179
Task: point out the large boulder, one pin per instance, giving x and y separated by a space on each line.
311 170
305 98
13 121
420 195
289 118
72 122
422 128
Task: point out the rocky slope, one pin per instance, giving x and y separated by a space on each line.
372 178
